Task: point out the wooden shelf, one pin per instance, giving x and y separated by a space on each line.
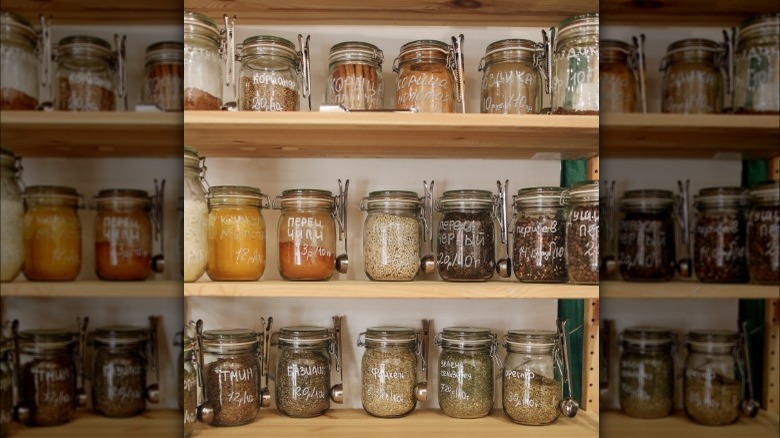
616 424
91 134
689 136
339 423
396 12
153 423
399 135
373 289
139 12
92 289
681 12
685 290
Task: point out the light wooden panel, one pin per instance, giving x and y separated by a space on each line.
615 424
590 354
93 289
100 12
772 357
684 290
773 168
681 12
153 423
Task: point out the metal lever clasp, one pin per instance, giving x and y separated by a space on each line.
684 265
428 261
227 48
456 63
153 390
120 53
608 213
548 47
305 66
21 409
421 390
569 406
205 409
81 395
265 393
340 214
337 391
45 57
750 406
726 60
496 357
638 66
504 265
157 203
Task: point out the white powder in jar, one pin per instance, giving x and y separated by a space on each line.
11 238
196 228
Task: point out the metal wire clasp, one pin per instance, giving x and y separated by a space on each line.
305 66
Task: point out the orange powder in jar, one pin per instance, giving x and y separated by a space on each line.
52 243
123 235
236 248
305 262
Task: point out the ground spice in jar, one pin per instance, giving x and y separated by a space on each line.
12 99
302 382
466 241
720 236
302 262
763 234
164 75
48 386
582 244
119 385
266 93
425 83
466 371
196 99
232 388
538 252
391 246
531 399
646 247
646 384
389 372
81 94
712 399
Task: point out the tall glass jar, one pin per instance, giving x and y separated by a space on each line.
616 78
532 383
582 233
123 235
11 216
539 249
119 371
713 382
512 80
202 63
389 371
307 234
269 77
466 242
303 371
236 245
466 372
646 236
391 235
355 76
6 387
757 65
86 75
763 234
232 375
575 66
425 80
189 385
18 63
647 372
164 75
52 233
692 77
196 216
720 235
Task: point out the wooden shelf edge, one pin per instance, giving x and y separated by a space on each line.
93 289
615 289
615 423
87 424
115 12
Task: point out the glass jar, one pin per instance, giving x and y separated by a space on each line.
307 234
123 235
303 371
236 245
646 236
6 387
355 76
389 371
466 242
269 79
692 77
18 63
232 375
539 249
647 372
196 216
616 78
202 63
713 382
582 233
575 66
164 76
512 80
190 385
86 75
425 79
119 371
52 233
763 234
48 375
391 235
466 371
532 383
757 66
720 235
11 216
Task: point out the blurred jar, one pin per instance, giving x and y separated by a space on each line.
763 234
6 386
123 235
646 236
164 76
119 371
18 63
512 80
582 233
203 75
86 75
269 79
425 79
647 372
692 77
196 216
720 235
618 86
757 65
11 216
355 76
575 66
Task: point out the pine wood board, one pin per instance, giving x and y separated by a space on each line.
681 12
687 289
92 289
616 424
136 12
152 424
772 357
590 356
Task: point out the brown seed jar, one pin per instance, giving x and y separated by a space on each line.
86 75
582 233
763 234
539 250
617 85
119 371
720 235
466 239
646 242
425 83
389 371
303 371
269 75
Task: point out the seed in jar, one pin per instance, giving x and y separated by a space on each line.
465 383
646 247
48 386
232 389
530 398
719 248
391 247
582 244
388 380
764 244
466 249
302 383
539 249
711 398
646 384
268 95
118 386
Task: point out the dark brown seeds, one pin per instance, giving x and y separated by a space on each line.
719 248
646 247
466 249
764 244
48 387
539 249
232 388
118 385
582 244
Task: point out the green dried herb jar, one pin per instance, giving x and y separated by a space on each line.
647 372
303 371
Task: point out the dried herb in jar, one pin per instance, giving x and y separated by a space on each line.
711 398
302 382
466 383
388 379
232 388
119 385
531 399
646 384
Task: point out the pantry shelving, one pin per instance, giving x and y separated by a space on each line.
92 289
685 290
686 13
152 423
678 426
115 12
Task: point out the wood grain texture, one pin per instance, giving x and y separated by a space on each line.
93 289
771 400
773 168
152 424
592 165
590 356
616 424
685 290
703 13
140 12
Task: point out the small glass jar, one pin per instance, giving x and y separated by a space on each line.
391 235
6 387
196 216
303 371
123 235
203 75
269 79
512 80
52 233
48 375
575 66
425 80
119 371
646 236
647 372
232 375
11 216
539 249
532 383
189 385
757 66
720 235
86 75
713 389
692 78
466 241
582 233
466 373
18 63
763 234
236 245
164 76
617 84
355 76
389 371
307 234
